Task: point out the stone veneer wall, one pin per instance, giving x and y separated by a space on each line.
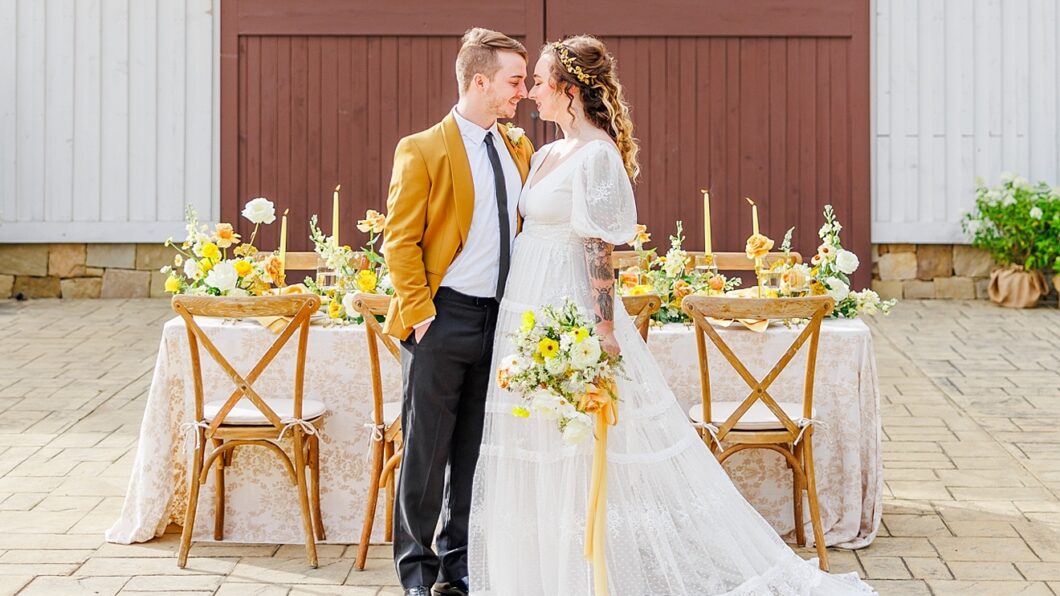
131 270
83 270
947 271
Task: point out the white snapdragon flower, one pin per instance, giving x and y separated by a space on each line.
846 261
223 276
577 429
260 211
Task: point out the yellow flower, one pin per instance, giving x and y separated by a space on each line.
716 283
641 289
641 236
243 268
367 280
548 347
818 289
204 266
335 309
172 285
758 246
373 222
210 251
225 235
581 334
520 412
528 321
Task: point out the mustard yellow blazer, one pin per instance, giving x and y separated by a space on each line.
429 207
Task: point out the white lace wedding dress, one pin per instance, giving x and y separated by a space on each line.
676 525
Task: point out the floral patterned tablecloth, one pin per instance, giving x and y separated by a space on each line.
262 505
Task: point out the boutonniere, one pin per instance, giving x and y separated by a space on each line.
515 134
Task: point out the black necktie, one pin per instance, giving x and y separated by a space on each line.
501 190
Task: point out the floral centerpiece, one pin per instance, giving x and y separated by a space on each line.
216 263
364 270
673 277
829 273
1018 223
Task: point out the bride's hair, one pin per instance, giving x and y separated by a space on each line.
584 61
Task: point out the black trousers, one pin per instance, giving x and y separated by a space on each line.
446 376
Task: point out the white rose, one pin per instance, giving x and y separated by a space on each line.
260 211
385 284
347 305
577 429
191 268
223 276
515 133
1036 213
846 261
585 354
547 404
837 289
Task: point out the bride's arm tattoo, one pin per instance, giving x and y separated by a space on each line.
601 278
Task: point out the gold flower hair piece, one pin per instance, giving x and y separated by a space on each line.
568 64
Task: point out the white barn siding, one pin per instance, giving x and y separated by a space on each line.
108 118
963 88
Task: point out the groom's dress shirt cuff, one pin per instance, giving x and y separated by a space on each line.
422 323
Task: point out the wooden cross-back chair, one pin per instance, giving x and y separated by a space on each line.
759 421
727 261
642 308
245 418
386 446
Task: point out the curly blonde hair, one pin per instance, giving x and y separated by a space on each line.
583 61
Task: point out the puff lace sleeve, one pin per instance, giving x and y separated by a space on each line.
603 205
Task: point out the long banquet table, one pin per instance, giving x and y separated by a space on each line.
262 506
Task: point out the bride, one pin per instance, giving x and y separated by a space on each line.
675 522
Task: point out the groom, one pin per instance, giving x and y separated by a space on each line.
451 220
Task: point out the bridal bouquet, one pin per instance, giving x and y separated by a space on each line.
215 263
560 370
354 271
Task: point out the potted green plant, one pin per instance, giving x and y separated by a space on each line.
1018 223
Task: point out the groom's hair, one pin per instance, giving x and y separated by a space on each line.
478 54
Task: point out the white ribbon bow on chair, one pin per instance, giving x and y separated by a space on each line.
710 428
190 429
804 423
375 437
290 423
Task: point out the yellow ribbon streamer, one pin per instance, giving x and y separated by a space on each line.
606 412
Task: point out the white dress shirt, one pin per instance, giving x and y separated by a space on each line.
474 271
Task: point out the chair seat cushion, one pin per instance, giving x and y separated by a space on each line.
245 412
391 412
758 417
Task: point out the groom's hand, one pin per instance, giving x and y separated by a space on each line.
421 331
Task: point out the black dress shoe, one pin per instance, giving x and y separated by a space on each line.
418 591
459 587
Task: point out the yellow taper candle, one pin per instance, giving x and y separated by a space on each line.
706 222
754 215
283 240
335 216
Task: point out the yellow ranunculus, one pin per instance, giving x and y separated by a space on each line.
528 321
210 251
367 280
520 412
172 284
641 289
548 348
243 268
581 334
335 309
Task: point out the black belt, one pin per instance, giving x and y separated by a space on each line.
451 295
